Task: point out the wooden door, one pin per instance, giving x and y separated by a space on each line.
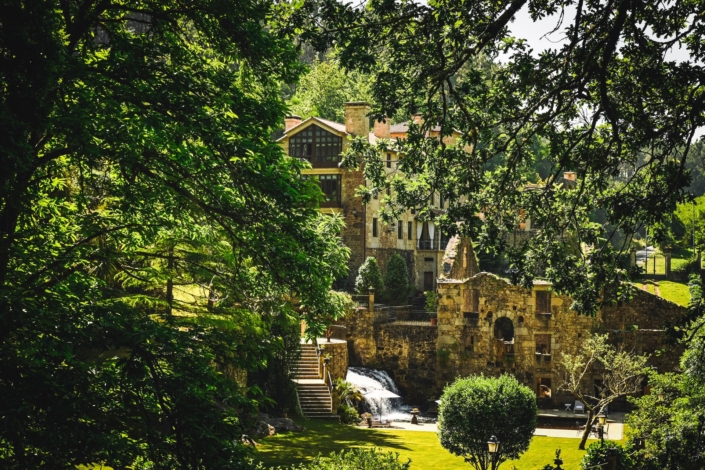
428 281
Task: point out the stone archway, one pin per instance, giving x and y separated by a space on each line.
504 336
504 329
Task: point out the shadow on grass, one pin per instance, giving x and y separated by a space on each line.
322 437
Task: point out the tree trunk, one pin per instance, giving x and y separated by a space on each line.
170 283
588 429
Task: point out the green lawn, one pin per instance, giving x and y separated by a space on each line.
675 292
423 448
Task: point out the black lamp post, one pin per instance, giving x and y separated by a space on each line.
602 419
493 446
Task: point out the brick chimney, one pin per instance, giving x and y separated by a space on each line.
291 121
382 129
417 118
356 121
570 175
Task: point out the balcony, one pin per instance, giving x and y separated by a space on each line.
432 243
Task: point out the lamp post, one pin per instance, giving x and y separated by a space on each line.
493 446
602 419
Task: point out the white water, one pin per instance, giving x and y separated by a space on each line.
367 380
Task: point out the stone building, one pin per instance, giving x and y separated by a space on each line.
486 325
321 142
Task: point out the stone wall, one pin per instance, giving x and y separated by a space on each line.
422 358
338 349
408 354
362 351
468 317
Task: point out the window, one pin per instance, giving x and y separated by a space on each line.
543 301
400 230
389 160
543 387
469 343
318 146
330 185
441 203
543 344
374 227
433 199
473 300
409 231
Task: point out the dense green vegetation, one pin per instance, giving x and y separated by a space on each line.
154 242
583 99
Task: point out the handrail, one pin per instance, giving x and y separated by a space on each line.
299 409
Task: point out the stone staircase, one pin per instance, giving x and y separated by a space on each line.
314 395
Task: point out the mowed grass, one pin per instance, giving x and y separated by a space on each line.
423 448
676 292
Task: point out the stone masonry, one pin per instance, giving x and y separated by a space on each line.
486 325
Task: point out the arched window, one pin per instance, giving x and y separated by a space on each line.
504 329
318 146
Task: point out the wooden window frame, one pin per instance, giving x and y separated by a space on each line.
543 302
337 199
318 146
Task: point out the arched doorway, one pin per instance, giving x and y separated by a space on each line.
504 334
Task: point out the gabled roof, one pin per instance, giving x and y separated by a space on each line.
335 127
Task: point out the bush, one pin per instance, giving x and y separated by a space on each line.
598 454
431 301
368 276
475 408
396 280
354 459
689 267
348 414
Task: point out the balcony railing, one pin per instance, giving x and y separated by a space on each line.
432 243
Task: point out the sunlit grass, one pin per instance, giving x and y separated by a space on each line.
423 448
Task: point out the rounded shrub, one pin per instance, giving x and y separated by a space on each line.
475 408
368 276
348 415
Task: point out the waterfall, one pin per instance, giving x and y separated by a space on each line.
366 380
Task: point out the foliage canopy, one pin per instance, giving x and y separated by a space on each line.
151 233
606 101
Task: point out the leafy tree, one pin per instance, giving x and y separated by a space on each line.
600 455
691 215
323 91
670 421
368 276
151 234
621 373
473 409
585 99
396 280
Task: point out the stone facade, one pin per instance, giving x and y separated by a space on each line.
486 325
364 232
